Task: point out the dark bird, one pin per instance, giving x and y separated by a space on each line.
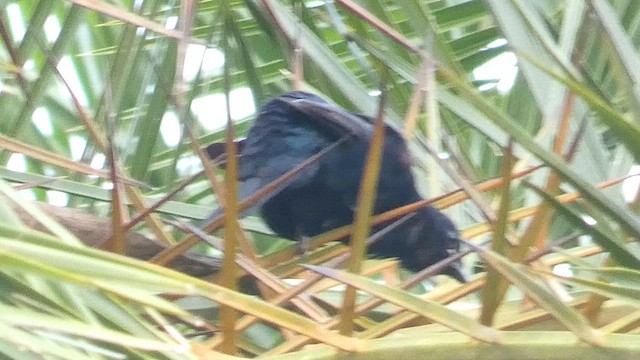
297 125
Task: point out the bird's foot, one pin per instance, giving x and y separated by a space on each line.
303 244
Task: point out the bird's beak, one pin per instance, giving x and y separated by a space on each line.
455 271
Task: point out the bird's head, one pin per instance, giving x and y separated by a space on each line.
432 237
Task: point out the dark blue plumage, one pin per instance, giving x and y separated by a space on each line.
293 127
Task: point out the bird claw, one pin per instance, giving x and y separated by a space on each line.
303 245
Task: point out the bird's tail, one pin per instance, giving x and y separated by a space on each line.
217 151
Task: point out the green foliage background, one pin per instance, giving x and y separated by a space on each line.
571 116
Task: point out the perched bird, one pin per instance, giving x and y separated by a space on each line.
293 127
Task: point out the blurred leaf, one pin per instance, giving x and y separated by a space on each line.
565 314
608 241
430 310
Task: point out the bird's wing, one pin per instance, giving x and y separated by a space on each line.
339 122
277 143
331 119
